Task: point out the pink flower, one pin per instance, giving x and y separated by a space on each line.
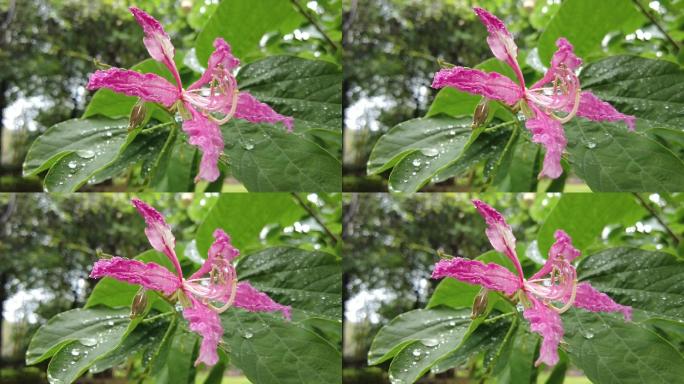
550 102
198 295
555 282
203 109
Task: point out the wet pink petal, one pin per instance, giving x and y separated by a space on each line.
561 248
250 299
547 323
252 110
157 41
159 233
491 276
488 84
548 132
565 57
221 249
207 324
149 275
222 56
587 297
501 41
499 233
593 108
148 86
207 136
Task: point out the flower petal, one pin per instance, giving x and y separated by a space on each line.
222 55
593 108
159 233
250 299
561 248
491 85
501 41
221 249
148 86
207 324
547 323
499 233
548 132
207 136
491 276
587 297
157 41
251 109
149 275
565 57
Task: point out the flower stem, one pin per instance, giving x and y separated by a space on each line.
493 319
655 215
328 232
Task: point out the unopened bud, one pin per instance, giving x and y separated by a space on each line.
139 304
138 114
481 113
480 303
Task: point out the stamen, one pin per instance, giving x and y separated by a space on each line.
572 113
570 302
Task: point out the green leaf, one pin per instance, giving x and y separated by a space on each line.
603 16
242 23
652 90
308 90
611 350
176 357
647 280
590 213
243 216
310 281
611 159
437 330
270 350
266 159
216 374
147 335
518 169
76 339
517 365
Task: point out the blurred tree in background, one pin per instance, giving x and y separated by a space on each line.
391 243
394 47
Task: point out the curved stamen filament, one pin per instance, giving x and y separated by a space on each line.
570 301
572 113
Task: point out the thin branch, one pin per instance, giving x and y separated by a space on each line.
308 209
655 214
315 24
654 21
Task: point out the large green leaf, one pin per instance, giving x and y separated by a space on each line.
574 17
610 350
436 330
76 339
242 23
652 90
243 216
270 350
267 159
646 280
310 281
175 358
611 159
308 90
590 213
516 364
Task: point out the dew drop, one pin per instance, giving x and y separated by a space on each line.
416 352
72 164
88 341
430 342
248 335
85 153
519 307
416 163
591 145
75 352
430 152
588 335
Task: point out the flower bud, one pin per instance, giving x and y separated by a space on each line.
481 113
138 114
139 304
480 303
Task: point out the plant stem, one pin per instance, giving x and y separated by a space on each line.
308 209
315 24
492 319
655 215
655 22
159 316
158 126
